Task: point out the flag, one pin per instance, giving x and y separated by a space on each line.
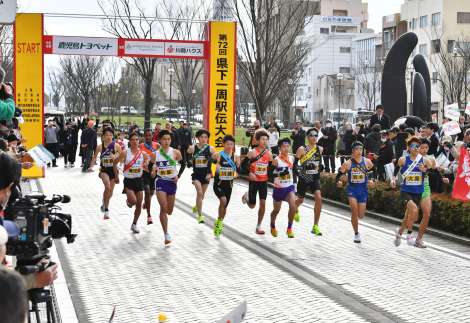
461 189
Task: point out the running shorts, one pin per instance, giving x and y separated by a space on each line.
223 189
280 194
255 188
303 187
360 195
149 181
200 178
133 184
166 186
109 171
405 197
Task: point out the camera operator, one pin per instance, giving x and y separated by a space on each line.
9 179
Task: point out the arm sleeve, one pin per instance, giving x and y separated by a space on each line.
7 109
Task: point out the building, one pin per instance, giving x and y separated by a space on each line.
332 33
440 26
392 28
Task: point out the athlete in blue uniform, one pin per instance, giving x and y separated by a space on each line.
357 169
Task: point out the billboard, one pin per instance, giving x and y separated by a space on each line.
72 45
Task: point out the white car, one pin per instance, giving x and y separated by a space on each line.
128 110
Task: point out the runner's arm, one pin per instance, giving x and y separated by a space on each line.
343 170
95 155
300 152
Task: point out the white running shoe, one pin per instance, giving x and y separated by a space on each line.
134 228
245 198
397 237
410 240
420 244
167 238
106 215
357 238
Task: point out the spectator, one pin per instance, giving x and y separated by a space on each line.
174 138
270 122
70 144
158 127
327 141
251 133
348 139
386 155
273 139
88 143
13 298
380 118
298 137
429 133
463 126
51 133
402 137
373 142
7 103
392 135
185 137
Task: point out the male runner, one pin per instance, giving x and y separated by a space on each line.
135 161
149 147
167 179
413 169
201 161
259 159
284 188
357 169
109 153
227 165
310 160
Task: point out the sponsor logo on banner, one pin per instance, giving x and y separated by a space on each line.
71 45
451 128
467 109
163 48
461 189
452 112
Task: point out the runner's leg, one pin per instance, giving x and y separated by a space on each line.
354 214
107 189
138 206
274 213
317 207
131 197
170 204
426 206
199 195
292 209
162 200
261 211
222 207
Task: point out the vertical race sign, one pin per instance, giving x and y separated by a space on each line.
220 82
29 81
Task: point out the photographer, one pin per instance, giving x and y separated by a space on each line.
251 133
88 143
10 178
13 299
51 133
7 103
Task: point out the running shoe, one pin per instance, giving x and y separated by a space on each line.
66 166
200 218
245 198
102 208
195 209
260 231
274 232
72 165
134 228
397 237
297 216
218 228
167 239
106 215
149 220
410 240
357 238
128 204
290 233
316 230
420 244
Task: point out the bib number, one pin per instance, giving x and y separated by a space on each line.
414 179
226 173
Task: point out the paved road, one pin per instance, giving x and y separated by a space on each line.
199 278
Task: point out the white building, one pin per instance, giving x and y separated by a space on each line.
332 32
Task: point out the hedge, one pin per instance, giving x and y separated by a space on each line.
447 214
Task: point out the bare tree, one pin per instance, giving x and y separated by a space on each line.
268 31
56 87
83 73
368 83
6 50
121 22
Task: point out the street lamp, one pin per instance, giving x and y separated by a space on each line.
291 82
193 92
170 71
128 108
411 70
237 112
339 77
117 104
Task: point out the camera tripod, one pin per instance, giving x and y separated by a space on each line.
38 296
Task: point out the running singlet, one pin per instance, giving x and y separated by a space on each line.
260 167
136 169
414 181
357 175
165 169
201 159
105 157
225 171
309 169
284 167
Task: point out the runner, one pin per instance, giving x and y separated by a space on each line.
201 161
149 147
413 169
135 161
284 188
310 158
227 165
109 157
167 179
259 159
357 169
121 140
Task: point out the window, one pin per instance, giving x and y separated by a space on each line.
342 13
450 46
423 21
463 17
435 46
324 31
436 19
345 49
423 49
345 70
413 23
435 76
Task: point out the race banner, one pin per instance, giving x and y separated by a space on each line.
72 45
162 48
452 112
461 189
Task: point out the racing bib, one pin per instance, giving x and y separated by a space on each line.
200 162
226 173
357 177
414 179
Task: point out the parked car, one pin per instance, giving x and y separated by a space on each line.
128 110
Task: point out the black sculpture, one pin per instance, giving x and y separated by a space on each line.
420 65
393 76
420 98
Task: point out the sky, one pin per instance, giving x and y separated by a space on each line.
379 8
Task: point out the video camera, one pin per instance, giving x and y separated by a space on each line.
39 221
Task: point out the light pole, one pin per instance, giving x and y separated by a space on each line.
291 82
237 113
339 77
170 71
193 92
117 104
128 108
411 69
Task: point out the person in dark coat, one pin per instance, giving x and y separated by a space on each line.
386 155
373 141
251 134
298 137
328 142
400 141
429 131
70 144
185 138
348 139
380 118
88 143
